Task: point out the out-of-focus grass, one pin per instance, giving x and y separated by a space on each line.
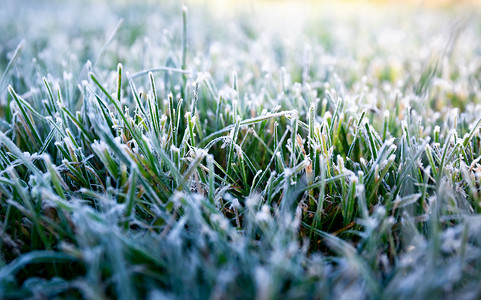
314 151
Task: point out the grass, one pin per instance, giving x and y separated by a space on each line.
185 155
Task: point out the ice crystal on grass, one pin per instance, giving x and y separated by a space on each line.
150 153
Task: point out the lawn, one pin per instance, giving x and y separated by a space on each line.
240 150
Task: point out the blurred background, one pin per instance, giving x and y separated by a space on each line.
379 39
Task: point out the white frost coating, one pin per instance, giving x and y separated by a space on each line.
389 142
360 189
288 172
235 203
263 283
200 153
264 214
252 200
100 147
67 76
177 197
221 221
327 115
350 175
380 211
340 162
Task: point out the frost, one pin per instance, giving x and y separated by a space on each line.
264 215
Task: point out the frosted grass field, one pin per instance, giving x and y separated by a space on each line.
283 151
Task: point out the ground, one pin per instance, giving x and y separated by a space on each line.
231 150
